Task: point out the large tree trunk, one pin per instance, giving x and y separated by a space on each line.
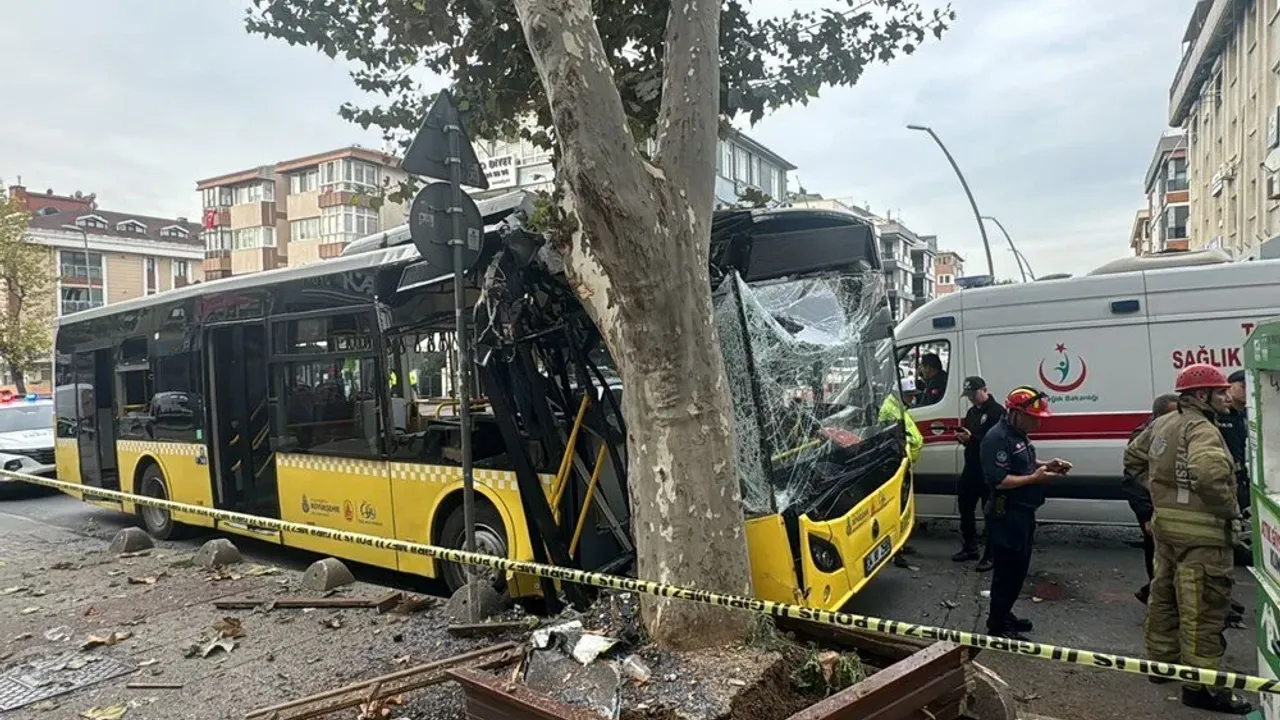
639 264
19 380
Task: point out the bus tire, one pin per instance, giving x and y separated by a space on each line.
157 522
491 539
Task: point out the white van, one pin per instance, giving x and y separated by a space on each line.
1101 346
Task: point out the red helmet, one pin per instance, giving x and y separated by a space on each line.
1201 377
1028 400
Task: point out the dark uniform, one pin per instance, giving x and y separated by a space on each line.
1011 521
1135 489
972 487
934 388
1235 431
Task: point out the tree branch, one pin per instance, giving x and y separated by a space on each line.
598 153
688 119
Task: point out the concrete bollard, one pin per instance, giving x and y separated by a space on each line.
325 575
489 602
131 540
217 553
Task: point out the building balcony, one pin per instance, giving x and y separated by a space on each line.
1213 33
216 217
254 214
300 206
337 198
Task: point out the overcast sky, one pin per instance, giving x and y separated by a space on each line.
1052 109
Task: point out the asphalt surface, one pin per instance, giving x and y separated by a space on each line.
1082 581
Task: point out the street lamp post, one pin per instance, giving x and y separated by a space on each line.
986 245
1024 267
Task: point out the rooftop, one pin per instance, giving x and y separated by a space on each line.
1171 140
266 172
52 212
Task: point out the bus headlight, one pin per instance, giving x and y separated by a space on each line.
826 557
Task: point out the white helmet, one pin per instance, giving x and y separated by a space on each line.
908 385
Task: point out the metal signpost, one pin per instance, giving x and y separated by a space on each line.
441 150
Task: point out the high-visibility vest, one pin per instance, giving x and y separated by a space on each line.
892 410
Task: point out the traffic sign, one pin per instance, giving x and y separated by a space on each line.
429 152
431 226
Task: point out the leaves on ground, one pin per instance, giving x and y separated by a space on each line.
111 712
229 627
94 641
260 570
380 708
145 579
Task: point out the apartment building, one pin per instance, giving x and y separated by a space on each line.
741 164
106 256
947 266
1140 233
1168 197
297 211
1226 96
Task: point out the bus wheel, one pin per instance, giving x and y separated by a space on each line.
156 521
491 539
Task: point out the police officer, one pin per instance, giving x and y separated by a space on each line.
1135 489
1193 490
1016 478
1235 431
972 489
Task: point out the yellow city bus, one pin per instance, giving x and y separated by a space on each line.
318 395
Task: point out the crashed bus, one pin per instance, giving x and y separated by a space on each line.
319 395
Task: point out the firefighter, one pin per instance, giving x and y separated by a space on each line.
971 489
1193 490
1135 489
1016 478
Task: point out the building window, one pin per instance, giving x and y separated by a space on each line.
150 280
255 237
345 223
1176 172
217 240
75 271
131 226
725 163
741 165
946 280
175 231
75 299
350 176
308 229
257 192
1177 221
305 181
91 222
181 272
216 197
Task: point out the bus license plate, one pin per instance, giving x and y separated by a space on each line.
877 556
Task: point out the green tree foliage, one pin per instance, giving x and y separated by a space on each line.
766 63
26 286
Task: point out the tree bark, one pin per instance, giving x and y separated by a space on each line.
19 380
638 262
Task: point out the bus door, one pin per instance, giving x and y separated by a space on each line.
96 436
239 417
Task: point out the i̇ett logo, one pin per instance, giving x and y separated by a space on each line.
348 511
306 506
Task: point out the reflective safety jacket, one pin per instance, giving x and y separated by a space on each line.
892 410
1191 476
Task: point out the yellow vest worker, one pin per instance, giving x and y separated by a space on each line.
1193 491
892 410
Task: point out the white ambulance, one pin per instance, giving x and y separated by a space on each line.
1101 346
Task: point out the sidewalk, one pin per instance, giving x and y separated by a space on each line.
58 588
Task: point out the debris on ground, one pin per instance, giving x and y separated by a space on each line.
492 628
111 712
94 641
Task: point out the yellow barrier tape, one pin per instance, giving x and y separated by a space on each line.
1086 658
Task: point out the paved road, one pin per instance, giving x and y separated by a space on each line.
1084 577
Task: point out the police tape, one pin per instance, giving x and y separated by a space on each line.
850 621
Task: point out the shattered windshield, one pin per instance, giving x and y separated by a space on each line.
810 364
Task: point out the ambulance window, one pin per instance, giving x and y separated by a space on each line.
924 368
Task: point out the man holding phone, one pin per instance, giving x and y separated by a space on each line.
1016 478
971 487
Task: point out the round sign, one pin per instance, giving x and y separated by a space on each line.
431 225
